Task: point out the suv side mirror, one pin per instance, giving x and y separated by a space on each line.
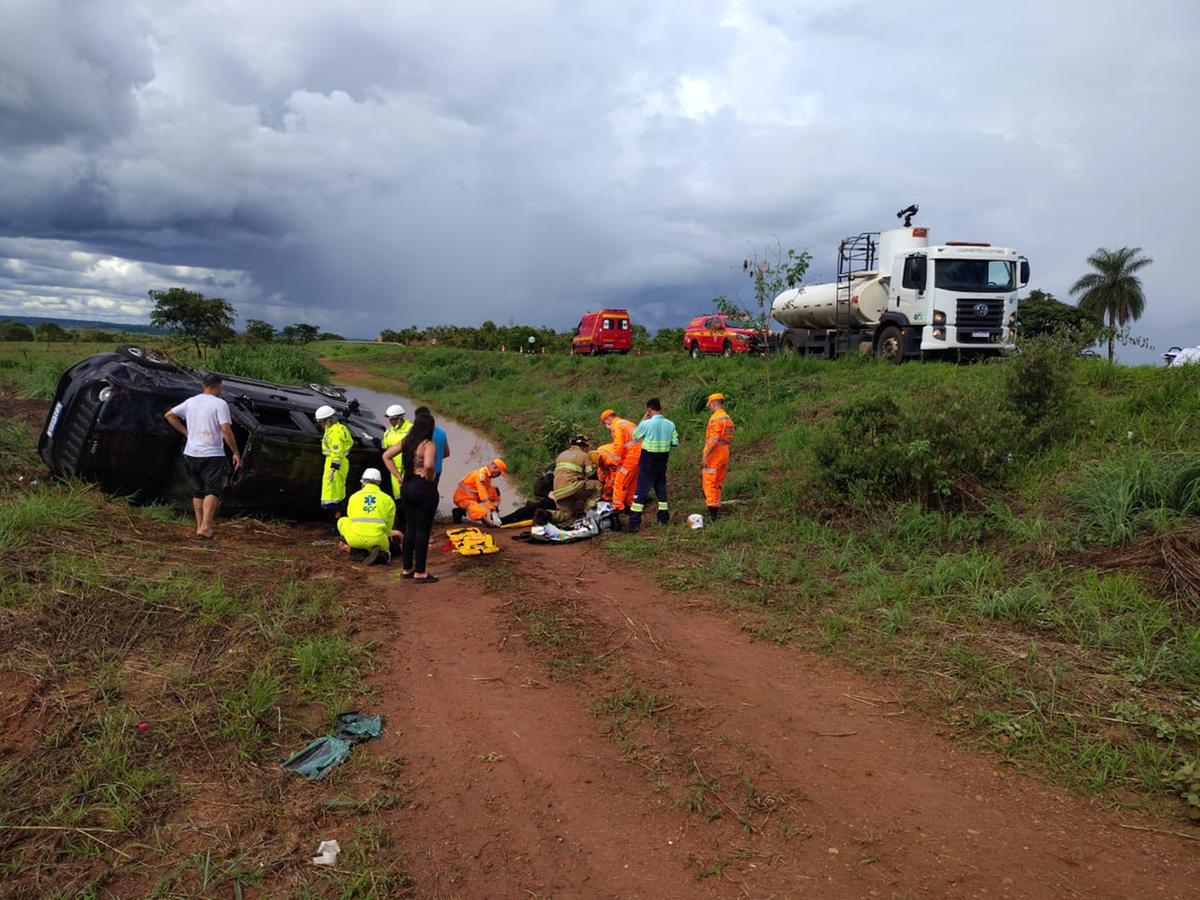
1024 272
914 273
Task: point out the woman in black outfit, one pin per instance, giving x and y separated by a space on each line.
418 496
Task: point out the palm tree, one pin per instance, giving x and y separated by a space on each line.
1114 288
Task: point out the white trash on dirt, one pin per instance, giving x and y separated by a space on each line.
327 854
695 520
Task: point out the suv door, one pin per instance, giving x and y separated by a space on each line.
712 334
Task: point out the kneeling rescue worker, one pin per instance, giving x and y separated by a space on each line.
576 489
369 520
625 480
607 460
714 458
476 498
336 443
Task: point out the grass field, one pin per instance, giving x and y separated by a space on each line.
1014 543
148 682
30 369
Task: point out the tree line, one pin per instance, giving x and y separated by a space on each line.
1110 297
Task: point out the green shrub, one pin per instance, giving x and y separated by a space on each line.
278 363
1042 388
557 431
876 448
955 435
862 452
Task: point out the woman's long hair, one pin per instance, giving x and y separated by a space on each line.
422 430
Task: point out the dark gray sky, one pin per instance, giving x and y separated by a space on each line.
366 164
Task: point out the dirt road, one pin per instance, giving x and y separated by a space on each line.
680 759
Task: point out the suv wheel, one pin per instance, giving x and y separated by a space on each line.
327 390
727 350
695 351
151 359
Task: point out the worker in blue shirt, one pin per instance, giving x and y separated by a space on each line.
441 447
658 435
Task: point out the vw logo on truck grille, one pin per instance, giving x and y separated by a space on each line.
981 309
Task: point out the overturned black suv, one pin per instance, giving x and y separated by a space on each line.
106 425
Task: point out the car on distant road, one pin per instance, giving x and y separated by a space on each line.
106 425
603 331
719 333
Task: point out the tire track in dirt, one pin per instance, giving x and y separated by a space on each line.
515 792
873 802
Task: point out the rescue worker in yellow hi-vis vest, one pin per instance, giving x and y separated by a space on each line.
368 526
336 443
714 458
397 428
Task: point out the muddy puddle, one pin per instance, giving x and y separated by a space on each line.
468 449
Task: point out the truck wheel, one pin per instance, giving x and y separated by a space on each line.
890 345
727 350
695 351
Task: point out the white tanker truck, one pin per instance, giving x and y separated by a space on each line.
901 298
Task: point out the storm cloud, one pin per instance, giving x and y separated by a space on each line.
371 163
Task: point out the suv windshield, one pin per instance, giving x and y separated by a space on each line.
739 323
967 275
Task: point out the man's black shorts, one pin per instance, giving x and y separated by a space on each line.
209 475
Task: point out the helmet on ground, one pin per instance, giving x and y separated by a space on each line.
580 440
717 396
604 415
501 465
371 475
394 411
323 413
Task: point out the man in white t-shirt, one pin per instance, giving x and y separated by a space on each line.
205 422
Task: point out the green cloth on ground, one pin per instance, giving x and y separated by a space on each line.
317 759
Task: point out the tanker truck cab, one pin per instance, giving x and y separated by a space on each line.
958 298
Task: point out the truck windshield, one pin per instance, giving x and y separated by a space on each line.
966 275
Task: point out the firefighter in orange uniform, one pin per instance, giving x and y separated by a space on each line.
476 498
714 459
607 460
625 479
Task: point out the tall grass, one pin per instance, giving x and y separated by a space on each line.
279 363
1117 497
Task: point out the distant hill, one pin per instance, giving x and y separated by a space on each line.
31 321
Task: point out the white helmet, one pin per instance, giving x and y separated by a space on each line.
323 413
394 411
371 475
